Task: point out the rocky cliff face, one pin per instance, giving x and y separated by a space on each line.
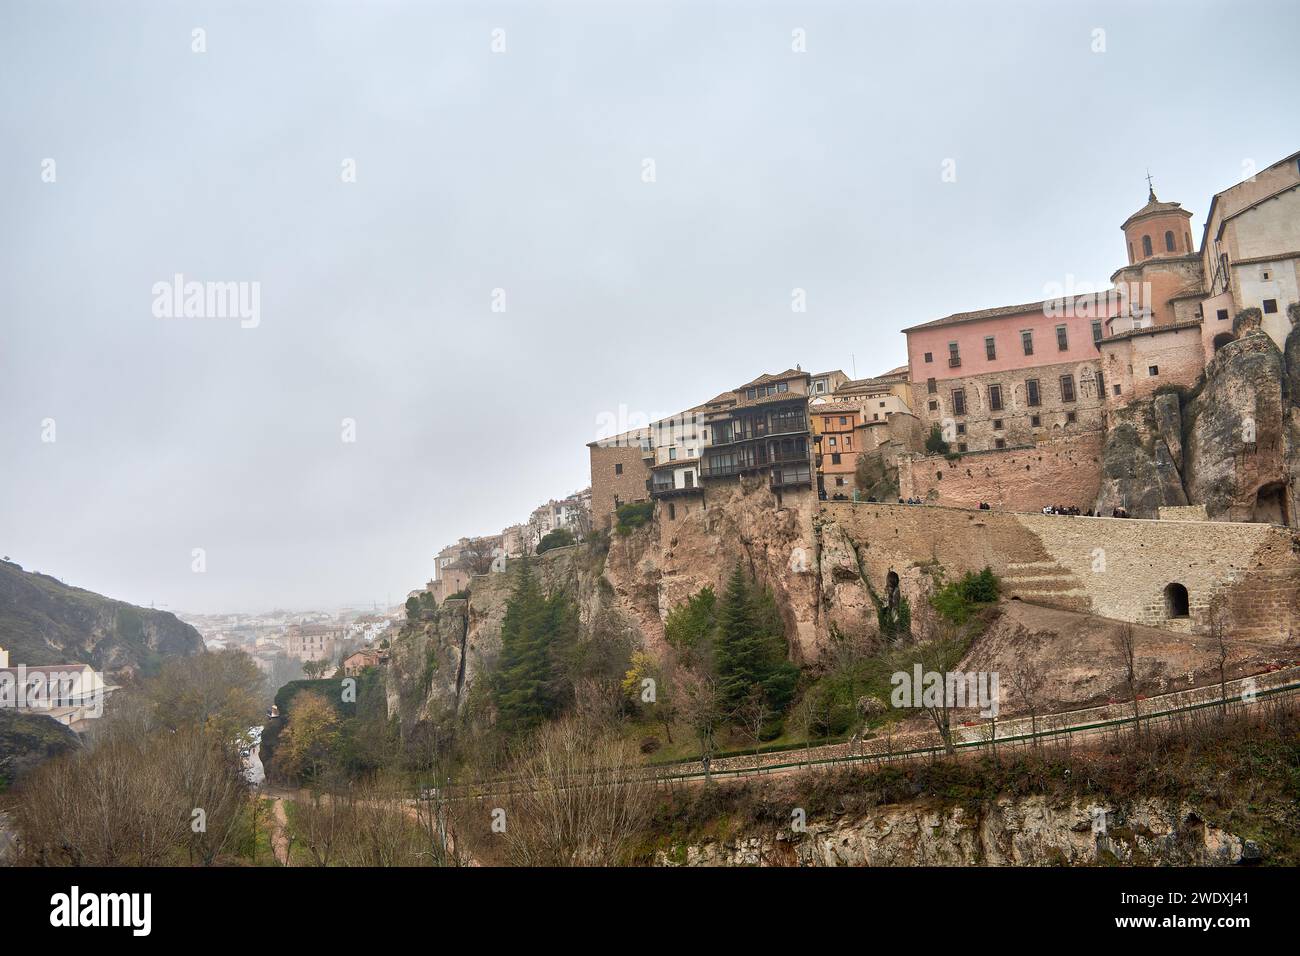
1238 455
1142 460
44 621
436 664
626 592
744 523
1028 831
1231 444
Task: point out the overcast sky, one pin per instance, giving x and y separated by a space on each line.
525 171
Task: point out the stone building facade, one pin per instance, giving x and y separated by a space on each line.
1010 376
620 473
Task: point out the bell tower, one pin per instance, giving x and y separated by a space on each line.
1158 229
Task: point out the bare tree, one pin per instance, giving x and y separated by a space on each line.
1126 644
129 800
753 714
320 823
1220 628
700 704
937 656
1028 680
579 798
477 555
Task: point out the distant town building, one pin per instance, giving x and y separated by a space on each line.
358 661
314 642
72 694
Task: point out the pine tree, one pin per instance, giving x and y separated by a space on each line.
537 631
751 647
523 678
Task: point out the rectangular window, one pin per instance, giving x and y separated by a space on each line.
1035 421
1223 315
961 428
839 481
997 424
835 458
929 356
959 401
995 398
931 386
1032 397
1116 389
934 406
961 446
848 442
1096 330
1071 418
1153 370
954 357
672 454
843 420
1270 306
1027 340
618 469
783 386
990 348
1101 387
1067 388
999 443
749 393
1062 343
832 441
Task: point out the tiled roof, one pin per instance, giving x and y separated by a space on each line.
1153 207
1022 309
1151 330
780 377
769 400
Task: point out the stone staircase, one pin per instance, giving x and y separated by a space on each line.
1046 583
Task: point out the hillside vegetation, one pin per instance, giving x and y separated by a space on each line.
44 621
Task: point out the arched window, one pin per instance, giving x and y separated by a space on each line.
1146 245
1175 600
1169 241
1130 252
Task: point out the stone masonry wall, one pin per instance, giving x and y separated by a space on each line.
1113 567
1065 471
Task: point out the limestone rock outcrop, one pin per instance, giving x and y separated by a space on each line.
1008 831
1238 459
1231 444
1142 460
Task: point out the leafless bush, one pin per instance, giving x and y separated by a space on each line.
134 800
578 797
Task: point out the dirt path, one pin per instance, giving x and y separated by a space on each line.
279 831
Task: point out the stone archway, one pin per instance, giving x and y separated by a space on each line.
1176 600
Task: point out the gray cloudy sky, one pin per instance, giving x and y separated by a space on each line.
523 171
